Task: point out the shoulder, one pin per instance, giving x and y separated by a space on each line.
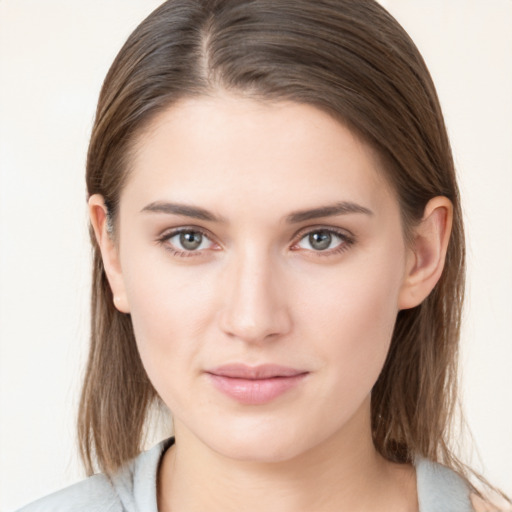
95 494
486 505
441 489
481 505
132 488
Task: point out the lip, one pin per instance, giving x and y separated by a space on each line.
255 385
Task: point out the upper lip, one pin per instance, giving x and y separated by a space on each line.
263 371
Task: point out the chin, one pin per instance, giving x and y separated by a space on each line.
263 452
268 443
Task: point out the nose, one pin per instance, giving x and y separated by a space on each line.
254 308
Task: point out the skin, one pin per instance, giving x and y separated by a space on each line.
258 291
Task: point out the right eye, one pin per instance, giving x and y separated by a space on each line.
186 242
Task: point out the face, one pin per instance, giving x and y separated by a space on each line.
258 234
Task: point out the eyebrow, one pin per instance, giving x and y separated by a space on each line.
196 212
185 210
340 208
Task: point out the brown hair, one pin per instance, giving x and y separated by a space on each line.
349 58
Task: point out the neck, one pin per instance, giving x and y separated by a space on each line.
343 472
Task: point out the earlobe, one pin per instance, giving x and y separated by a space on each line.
103 231
426 257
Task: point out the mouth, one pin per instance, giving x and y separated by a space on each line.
255 385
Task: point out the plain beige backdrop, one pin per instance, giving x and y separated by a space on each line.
53 57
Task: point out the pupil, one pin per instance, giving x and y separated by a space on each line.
191 240
320 240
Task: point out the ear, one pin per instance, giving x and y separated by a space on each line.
426 257
109 251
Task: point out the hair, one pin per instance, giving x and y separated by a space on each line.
349 58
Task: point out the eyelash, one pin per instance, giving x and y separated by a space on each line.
164 240
346 240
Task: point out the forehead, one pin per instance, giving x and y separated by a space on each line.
230 151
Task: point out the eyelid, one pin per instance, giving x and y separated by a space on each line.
167 234
346 236
344 233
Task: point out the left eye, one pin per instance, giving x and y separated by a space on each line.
321 240
189 240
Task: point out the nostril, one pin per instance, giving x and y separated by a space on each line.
270 326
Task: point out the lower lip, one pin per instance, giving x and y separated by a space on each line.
255 391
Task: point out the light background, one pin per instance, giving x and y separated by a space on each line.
53 57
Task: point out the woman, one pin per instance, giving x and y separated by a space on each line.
279 259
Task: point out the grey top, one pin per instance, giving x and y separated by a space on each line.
133 489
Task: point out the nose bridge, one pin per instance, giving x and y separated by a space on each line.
255 306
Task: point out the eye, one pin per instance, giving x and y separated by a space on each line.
324 240
183 242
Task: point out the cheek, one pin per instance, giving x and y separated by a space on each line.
354 321
170 311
